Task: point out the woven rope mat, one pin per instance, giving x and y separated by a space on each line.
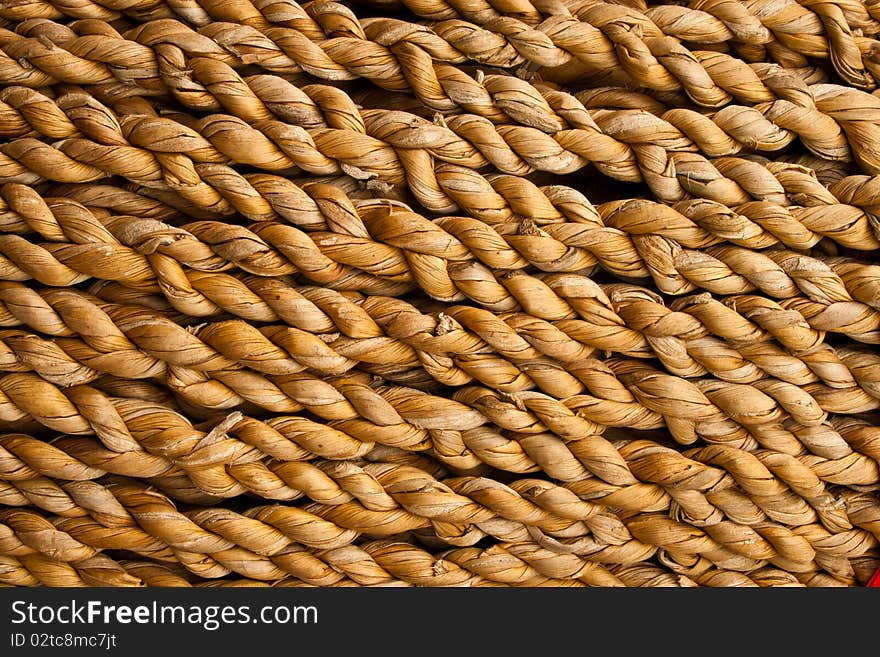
424 293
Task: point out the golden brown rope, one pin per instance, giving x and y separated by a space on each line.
809 112
788 31
263 543
479 266
395 337
398 159
25 457
784 101
589 34
303 295
372 563
795 209
207 167
582 544
211 368
408 485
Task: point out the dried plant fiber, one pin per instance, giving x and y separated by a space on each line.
434 293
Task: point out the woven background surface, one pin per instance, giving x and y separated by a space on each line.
439 293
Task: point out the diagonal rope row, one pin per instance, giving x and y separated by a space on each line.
394 147
415 251
789 32
394 336
43 158
781 100
630 46
218 364
446 506
495 494
792 108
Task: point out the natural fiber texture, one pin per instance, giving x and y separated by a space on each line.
332 135
614 41
428 293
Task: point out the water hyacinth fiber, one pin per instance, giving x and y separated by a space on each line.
438 293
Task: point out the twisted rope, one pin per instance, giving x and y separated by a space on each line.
262 544
290 297
475 261
37 570
217 364
810 112
75 159
151 166
788 32
591 35
131 506
617 319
